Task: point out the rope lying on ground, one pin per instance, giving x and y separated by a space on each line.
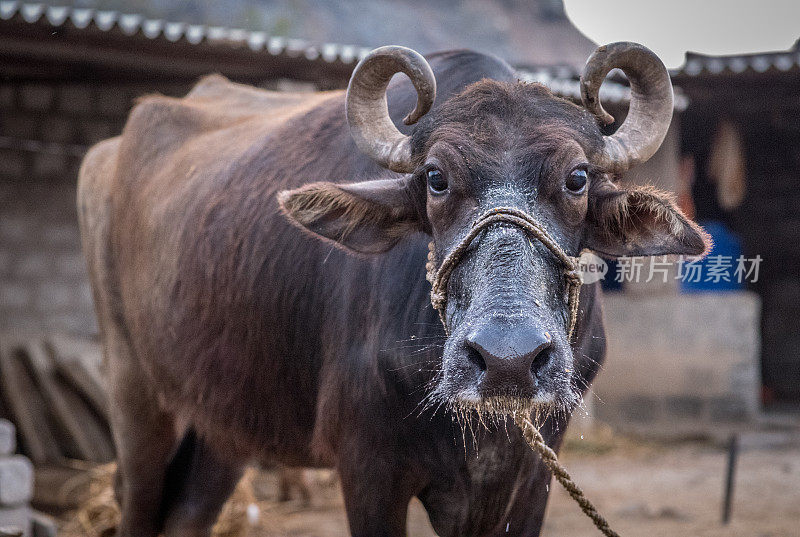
536 442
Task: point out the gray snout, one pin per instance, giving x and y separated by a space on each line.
509 356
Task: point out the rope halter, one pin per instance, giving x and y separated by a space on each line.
509 215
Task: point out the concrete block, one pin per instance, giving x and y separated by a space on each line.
19 125
684 361
8 437
76 99
14 163
33 265
15 521
58 129
71 264
62 235
16 229
94 130
8 98
48 166
37 97
86 296
16 480
43 525
685 406
113 102
6 258
729 409
56 295
21 320
14 295
640 408
73 321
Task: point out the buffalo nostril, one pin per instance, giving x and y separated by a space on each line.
541 359
474 356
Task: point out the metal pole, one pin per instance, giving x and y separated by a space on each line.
733 455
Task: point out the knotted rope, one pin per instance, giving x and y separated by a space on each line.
509 215
441 276
536 442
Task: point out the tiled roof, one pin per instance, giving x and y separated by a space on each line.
563 80
137 25
771 62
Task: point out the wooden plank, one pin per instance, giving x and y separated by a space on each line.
80 430
27 409
74 373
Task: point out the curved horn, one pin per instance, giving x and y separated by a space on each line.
367 111
650 111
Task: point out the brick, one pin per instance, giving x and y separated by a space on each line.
73 321
85 296
34 265
16 229
46 165
14 295
71 264
58 129
16 480
6 259
19 125
8 437
16 520
36 97
113 102
56 296
93 131
8 100
14 163
21 320
61 235
76 99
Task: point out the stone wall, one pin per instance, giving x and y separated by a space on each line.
679 363
44 130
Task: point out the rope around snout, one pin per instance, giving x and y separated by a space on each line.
509 215
536 442
441 276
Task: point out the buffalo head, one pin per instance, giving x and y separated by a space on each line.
516 146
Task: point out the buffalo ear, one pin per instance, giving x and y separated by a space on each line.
640 221
368 217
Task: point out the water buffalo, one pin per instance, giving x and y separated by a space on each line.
258 262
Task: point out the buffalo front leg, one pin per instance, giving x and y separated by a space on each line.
376 492
145 439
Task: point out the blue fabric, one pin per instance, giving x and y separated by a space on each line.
727 245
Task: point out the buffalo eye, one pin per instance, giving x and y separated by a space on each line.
576 181
436 181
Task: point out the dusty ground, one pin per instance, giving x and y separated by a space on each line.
643 489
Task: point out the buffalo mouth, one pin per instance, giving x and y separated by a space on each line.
496 409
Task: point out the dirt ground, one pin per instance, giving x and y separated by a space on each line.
644 489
